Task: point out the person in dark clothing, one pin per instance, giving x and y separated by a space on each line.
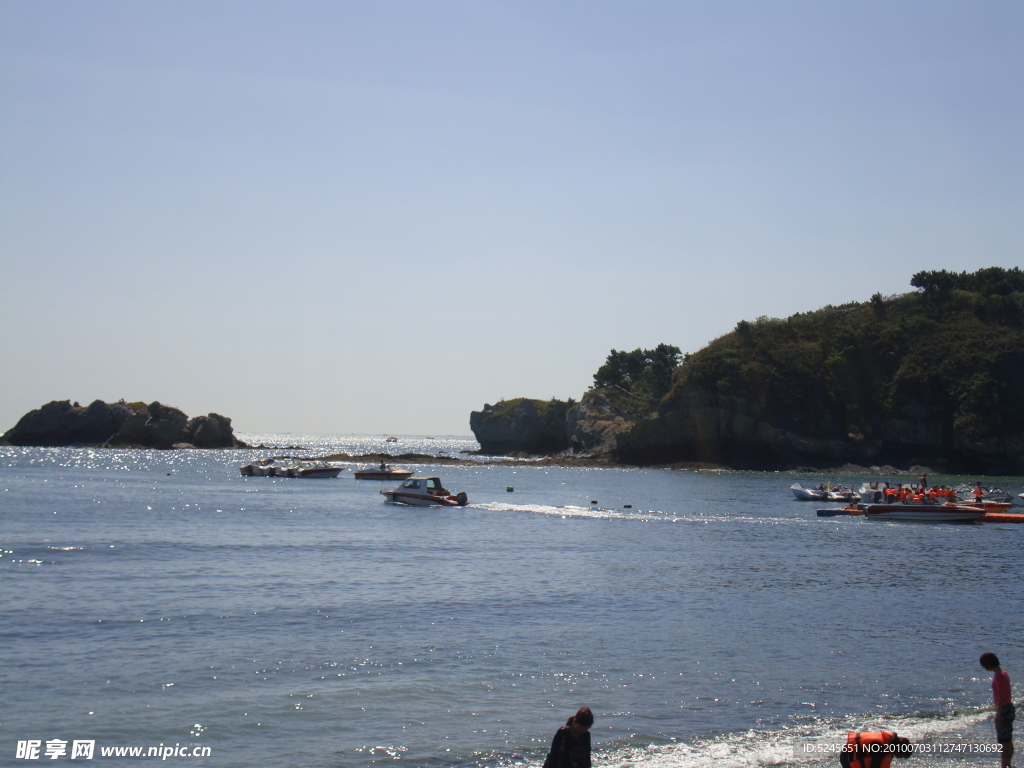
571 746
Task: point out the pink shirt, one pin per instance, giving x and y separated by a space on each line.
1000 688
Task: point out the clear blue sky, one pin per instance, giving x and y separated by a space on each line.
378 216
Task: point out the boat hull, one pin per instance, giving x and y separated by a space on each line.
923 513
425 499
807 494
376 474
308 471
318 472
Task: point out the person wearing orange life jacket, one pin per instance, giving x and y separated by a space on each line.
873 750
888 493
979 494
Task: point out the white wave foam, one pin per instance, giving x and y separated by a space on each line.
796 745
577 511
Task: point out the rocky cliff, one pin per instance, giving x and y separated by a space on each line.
904 381
121 424
521 426
934 378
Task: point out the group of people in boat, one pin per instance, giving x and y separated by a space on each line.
922 493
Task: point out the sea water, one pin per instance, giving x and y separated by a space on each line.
160 599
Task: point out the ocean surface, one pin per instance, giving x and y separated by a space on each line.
160 598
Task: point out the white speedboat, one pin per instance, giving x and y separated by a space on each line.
835 493
842 493
808 494
281 466
924 513
425 492
994 495
383 472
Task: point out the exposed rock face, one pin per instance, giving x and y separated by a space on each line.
595 425
521 426
705 426
59 423
732 431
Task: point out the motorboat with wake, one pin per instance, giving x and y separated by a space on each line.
425 492
282 466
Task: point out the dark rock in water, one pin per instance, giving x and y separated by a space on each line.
154 426
59 423
521 426
210 431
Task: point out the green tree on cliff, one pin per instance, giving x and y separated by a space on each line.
644 373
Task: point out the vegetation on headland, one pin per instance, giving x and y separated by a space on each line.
935 375
545 408
644 374
950 354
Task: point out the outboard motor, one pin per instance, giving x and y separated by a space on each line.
462 498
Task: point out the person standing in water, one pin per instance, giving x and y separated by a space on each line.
1005 711
571 746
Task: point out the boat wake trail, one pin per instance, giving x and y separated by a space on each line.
577 511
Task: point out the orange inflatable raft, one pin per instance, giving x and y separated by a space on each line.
1001 517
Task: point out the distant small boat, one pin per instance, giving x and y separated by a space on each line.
383 472
280 466
425 492
391 440
924 513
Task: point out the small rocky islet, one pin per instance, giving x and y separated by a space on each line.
120 425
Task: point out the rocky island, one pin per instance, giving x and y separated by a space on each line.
120 425
933 377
